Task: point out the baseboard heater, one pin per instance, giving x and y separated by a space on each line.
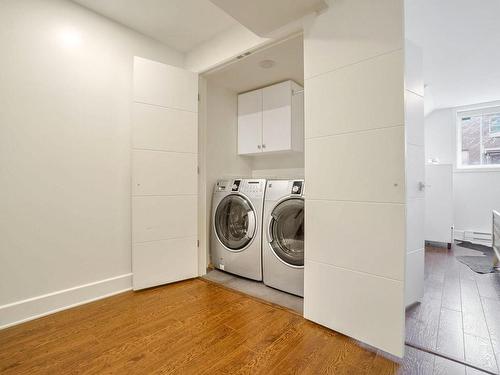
483 238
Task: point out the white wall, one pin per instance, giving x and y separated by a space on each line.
65 134
475 193
355 171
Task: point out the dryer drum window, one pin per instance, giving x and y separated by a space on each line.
234 222
287 231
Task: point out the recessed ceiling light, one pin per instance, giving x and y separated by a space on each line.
266 64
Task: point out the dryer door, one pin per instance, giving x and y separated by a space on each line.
286 231
234 222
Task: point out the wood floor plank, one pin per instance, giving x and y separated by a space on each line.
443 366
478 351
417 362
450 335
451 293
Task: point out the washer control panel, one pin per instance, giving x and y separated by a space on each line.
297 187
254 187
222 185
236 185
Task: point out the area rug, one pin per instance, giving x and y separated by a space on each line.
478 263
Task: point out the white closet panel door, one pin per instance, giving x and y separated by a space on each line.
147 181
355 227
160 128
277 117
164 85
363 97
364 306
250 122
164 174
366 167
151 259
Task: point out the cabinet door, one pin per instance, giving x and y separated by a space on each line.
250 122
439 202
277 117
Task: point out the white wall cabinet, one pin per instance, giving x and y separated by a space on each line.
271 119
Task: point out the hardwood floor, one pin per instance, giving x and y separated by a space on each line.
460 312
192 327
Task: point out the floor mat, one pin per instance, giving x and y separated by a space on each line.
480 263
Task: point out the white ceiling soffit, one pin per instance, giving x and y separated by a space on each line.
180 24
460 41
286 59
265 16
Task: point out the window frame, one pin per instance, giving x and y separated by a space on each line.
494 108
497 133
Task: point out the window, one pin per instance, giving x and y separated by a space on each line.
479 138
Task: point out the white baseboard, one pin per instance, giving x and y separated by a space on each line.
36 307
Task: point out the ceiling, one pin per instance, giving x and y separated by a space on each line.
460 40
180 24
264 16
246 74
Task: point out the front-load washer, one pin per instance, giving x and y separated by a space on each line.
283 243
236 240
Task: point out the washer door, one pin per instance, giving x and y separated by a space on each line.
234 222
286 231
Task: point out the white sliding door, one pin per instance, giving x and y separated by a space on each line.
164 174
355 171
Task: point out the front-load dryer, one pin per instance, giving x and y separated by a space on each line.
283 243
236 240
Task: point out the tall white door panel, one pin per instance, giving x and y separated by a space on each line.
164 174
355 232
415 175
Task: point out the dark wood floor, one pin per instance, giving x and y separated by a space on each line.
460 313
192 327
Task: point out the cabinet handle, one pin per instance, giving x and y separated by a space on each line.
258 146
263 146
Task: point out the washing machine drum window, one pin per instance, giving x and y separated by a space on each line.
286 231
234 222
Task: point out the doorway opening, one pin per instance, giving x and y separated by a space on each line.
251 134
458 313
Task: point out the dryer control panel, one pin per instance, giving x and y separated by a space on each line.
277 189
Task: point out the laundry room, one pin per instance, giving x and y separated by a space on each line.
251 131
265 187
